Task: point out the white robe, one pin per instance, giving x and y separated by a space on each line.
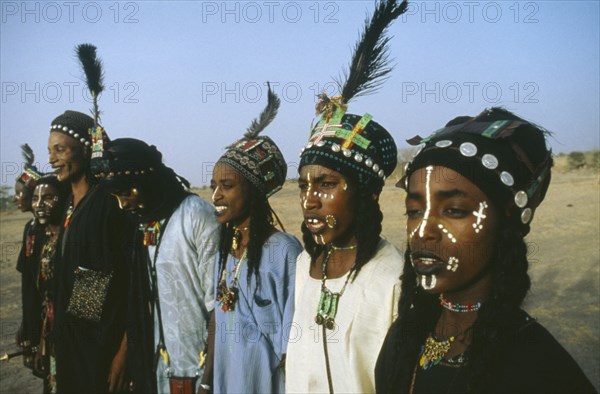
365 312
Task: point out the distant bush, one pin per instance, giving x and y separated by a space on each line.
576 160
5 197
593 159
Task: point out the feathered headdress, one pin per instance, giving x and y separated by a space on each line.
257 157
354 145
370 64
266 116
30 172
92 67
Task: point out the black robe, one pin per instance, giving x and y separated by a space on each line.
140 323
533 362
28 262
99 240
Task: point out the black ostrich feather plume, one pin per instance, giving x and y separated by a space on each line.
266 116
28 155
92 67
370 65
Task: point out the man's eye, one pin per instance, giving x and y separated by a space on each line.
456 212
413 213
329 185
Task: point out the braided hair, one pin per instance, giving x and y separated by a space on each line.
259 229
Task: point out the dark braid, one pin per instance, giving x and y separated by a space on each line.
367 229
497 320
260 228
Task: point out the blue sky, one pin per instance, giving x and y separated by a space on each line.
190 76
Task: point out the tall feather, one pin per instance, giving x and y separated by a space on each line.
28 155
370 65
266 116
92 67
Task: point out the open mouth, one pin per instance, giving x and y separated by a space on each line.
426 263
315 224
220 209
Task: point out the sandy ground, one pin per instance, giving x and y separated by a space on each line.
564 256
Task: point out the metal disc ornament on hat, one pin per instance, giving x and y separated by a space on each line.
526 215
507 178
489 161
468 149
521 199
443 143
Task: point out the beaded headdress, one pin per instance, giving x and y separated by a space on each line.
30 173
504 155
258 158
353 145
81 127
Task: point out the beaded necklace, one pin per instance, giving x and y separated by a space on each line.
227 295
328 302
434 351
456 307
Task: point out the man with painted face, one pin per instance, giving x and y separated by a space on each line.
471 195
48 203
28 334
180 232
347 279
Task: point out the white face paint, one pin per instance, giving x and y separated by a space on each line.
448 233
304 198
214 194
427 282
429 169
452 264
345 187
319 240
480 215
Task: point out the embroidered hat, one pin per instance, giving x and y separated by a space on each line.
504 155
355 146
258 158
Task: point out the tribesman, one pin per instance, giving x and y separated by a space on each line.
347 279
28 335
93 257
48 203
175 272
255 275
472 192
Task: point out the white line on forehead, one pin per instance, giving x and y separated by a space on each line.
429 170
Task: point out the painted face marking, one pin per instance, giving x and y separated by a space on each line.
478 225
448 233
429 169
452 264
319 240
427 282
331 222
40 192
412 233
214 194
345 187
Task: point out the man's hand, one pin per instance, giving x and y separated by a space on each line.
117 376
